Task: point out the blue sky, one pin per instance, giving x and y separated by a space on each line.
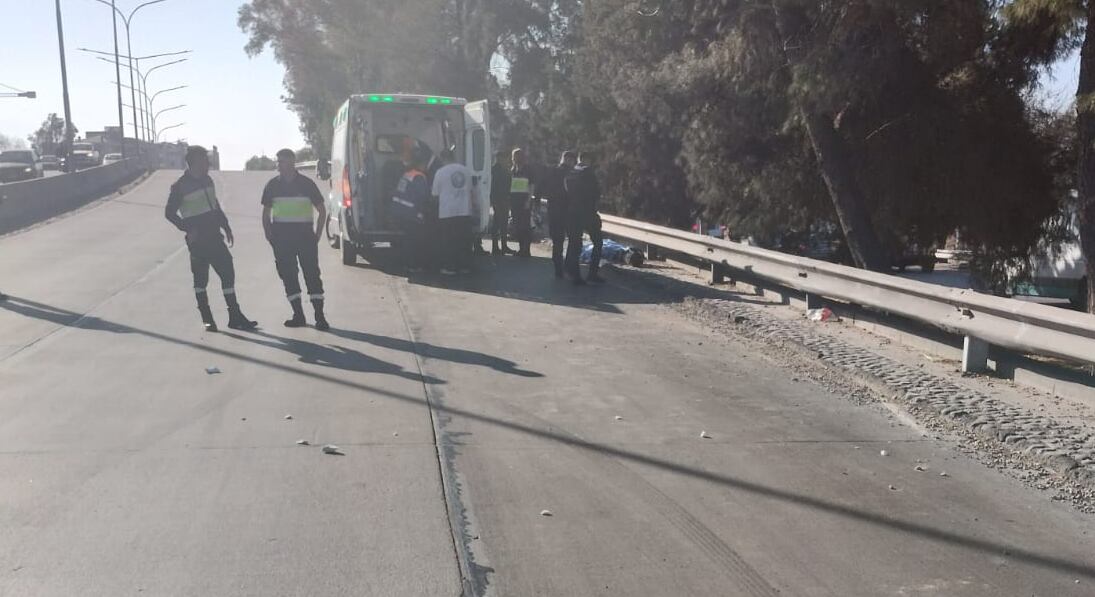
233 101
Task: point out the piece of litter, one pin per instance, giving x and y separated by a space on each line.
332 449
288 417
855 447
823 314
883 453
243 418
944 474
303 442
920 468
619 418
396 434
212 370
892 488
546 513
703 434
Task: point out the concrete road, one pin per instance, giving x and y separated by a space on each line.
467 409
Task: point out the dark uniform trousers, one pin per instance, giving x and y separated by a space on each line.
579 226
206 253
295 244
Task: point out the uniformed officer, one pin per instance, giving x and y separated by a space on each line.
522 190
193 208
289 205
410 208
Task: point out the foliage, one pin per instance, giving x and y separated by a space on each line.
261 163
49 139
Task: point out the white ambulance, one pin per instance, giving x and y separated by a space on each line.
371 135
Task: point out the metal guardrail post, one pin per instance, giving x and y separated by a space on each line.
975 355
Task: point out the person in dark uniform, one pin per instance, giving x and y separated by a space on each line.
410 211
289 205
584 191
499 202
522 190
554 189
193 208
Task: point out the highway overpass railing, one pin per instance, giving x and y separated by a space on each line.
25 203
983 320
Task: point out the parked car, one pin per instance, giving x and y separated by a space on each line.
110 158
1058 271
84 155
19 164
50 162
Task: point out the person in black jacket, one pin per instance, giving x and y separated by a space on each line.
554 189
193 208
499 202
584 191
522 190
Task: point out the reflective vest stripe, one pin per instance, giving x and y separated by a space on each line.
520 184
197 203
291 210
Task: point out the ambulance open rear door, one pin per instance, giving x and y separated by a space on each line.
478 151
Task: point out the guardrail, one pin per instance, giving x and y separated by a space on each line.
25 203
983 319
307 165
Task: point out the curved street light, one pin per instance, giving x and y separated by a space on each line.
145 106
156 116
167 128
127 20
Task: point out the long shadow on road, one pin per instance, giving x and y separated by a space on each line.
1012 551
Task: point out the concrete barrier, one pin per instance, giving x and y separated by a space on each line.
25 203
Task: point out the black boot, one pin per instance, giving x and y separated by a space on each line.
207 315
236 319
3 297
297 320
321 321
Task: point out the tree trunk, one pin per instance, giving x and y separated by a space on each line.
836 170
1085 121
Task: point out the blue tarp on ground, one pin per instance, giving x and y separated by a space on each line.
613 252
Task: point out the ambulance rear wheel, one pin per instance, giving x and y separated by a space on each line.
349 253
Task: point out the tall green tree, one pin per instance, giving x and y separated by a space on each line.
49 139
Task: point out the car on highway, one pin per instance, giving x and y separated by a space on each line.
370 133
110 158
19 164
1058 270
50 162
85 155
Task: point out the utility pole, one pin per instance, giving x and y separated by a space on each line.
118 74
64 90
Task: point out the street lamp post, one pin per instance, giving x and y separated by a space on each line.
64 90
129 46
156 116
118 74
167 128
137 69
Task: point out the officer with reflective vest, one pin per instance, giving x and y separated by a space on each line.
410 211
289 205
521 190
193 208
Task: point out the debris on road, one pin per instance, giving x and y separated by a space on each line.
212 370
704 435
546 513
288 417
619 418
303 442
332 450
821 315
892 488
395 434
883 453
920 468
943 474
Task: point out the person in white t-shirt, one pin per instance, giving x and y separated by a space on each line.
455 189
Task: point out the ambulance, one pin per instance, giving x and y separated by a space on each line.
372 134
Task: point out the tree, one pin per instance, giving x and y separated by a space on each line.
306 154
260 163
1043 32
49 139
7 142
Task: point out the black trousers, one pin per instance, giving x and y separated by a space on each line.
592 225
499 226
522 216
558 227
295 244
213 253
455 242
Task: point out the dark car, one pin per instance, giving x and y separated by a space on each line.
19 164
84 155
50 162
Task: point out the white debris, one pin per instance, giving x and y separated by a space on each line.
546 513
883 453
396 434
704 435
303 442
892 488
332 449
212 370
823 314
920 467
619 418
288 417
944 474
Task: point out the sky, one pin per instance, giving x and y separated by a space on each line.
232 101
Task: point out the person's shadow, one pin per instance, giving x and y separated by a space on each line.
59 316
335 357
430 351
